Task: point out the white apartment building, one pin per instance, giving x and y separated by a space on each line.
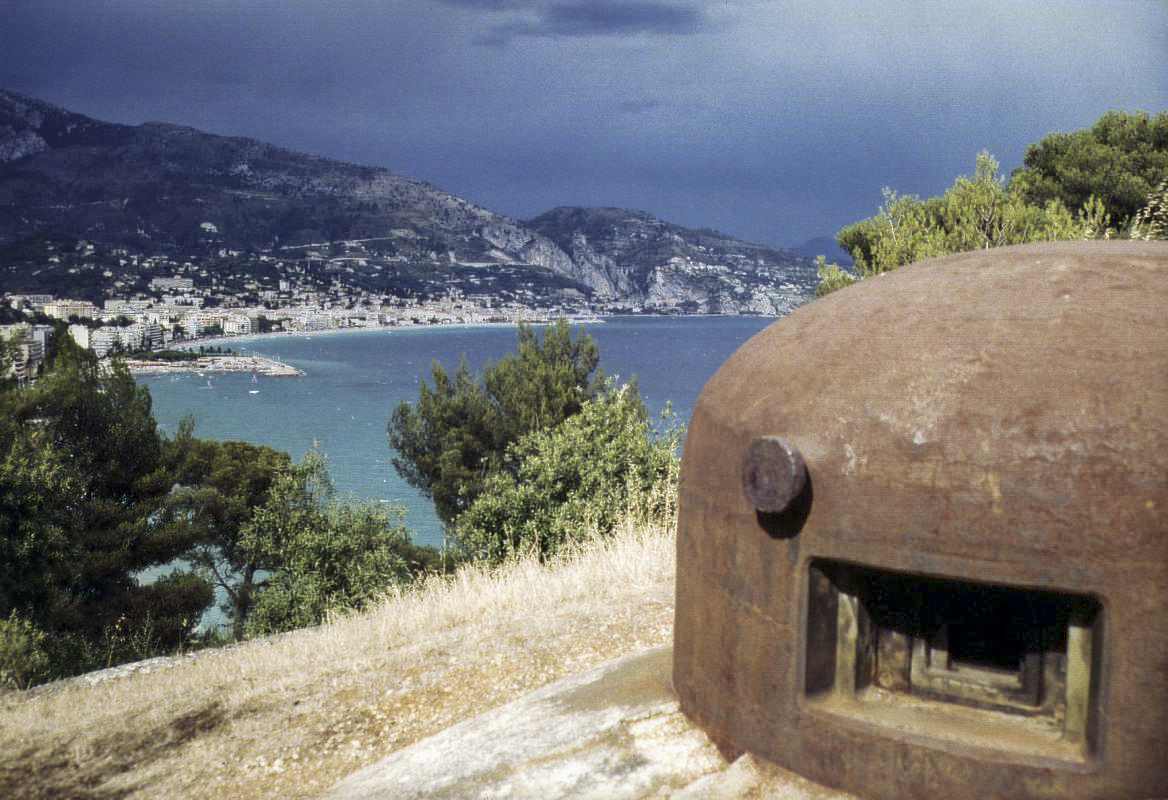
237 325
63 309
140 335
191 325
126 306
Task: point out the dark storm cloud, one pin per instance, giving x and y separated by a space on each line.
773 120
591 18
586 18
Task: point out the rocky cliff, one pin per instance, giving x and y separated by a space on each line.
638 258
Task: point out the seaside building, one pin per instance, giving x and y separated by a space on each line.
237 325
64 309
138 336
191 325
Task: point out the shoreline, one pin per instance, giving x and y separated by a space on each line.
277 368
224 341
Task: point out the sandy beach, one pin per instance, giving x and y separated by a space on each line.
268 366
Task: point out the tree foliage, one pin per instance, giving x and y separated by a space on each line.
1119 160
321 555
831 277
217 487
82 479
1103 182
974 214
458 432
272 536
577 479
93 498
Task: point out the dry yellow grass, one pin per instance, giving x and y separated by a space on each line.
290 716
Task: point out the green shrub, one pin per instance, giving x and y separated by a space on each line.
24 660
458 432
1151 221
579 479
831 277
323 555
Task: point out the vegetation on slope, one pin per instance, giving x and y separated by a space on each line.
92 497
289 716
83 473
582 477
540 448
459 430
535 450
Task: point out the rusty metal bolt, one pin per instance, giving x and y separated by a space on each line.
773 474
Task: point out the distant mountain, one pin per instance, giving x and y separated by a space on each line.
639 258
824 246
158 189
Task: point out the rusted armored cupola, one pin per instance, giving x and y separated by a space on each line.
923 543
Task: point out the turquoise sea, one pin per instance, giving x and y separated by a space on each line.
354 380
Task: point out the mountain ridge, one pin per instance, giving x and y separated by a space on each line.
158 188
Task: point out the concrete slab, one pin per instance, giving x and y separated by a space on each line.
614 732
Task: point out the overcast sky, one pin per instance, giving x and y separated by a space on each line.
772 121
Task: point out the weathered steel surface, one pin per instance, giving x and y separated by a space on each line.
994 417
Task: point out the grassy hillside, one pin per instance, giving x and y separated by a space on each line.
288 717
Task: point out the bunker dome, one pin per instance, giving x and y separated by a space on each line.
922 544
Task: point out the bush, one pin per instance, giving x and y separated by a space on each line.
24 660
323 555
1151 221
831 277
458 432
578 479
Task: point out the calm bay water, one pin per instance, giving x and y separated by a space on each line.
354 380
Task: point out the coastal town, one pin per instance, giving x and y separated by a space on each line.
173 313
115 300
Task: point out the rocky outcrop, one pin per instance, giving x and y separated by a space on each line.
635 257
18 144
